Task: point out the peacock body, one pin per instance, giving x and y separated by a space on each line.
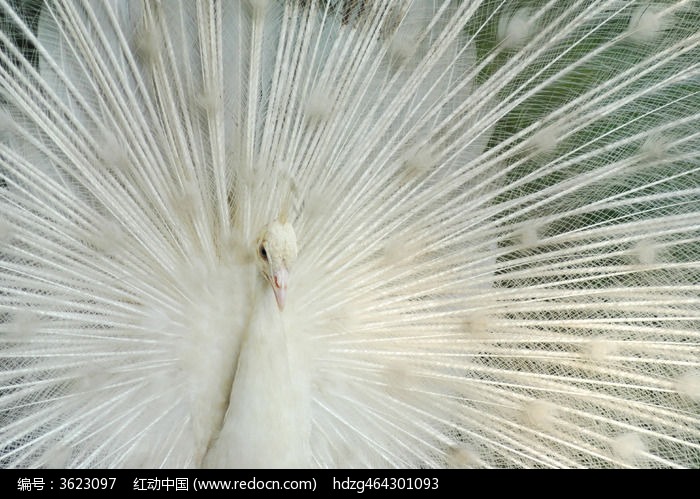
350 234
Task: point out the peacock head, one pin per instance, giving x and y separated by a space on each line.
276 253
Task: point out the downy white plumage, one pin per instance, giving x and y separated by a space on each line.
496 206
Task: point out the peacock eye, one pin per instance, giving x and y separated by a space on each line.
263 252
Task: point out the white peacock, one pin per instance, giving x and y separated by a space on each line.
497 211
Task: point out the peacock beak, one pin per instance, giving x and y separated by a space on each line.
279 286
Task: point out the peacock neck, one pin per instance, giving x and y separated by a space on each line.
266 423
